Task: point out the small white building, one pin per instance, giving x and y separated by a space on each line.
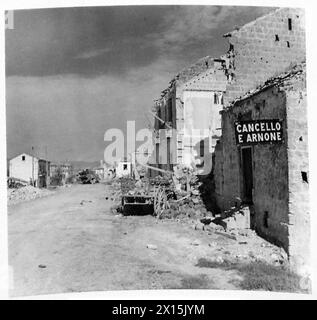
99 172
109 173
30 169
124 169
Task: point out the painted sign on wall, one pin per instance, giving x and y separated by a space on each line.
259 131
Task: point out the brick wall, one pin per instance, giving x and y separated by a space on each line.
264 48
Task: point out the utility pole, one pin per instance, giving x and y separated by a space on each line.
46 168
32 166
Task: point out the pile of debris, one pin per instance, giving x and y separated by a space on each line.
87 176
16 183
127 184
187 201
178 195
25 193
174 194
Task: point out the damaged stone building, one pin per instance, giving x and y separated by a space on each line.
262 159
253 102
257 51
190 105
262 49
266 87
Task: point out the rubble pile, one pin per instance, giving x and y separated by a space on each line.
187 202
161 181
120 187
179 196
187 205
25 193
16 183
174 195
127 185
87 176
144 186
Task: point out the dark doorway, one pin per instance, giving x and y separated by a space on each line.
42 181
157 153
169 165
247 174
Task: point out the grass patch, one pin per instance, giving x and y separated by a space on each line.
194 282
204 263
260 276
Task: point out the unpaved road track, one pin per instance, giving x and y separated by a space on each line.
61 244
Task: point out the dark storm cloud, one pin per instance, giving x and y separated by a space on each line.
94 41
73 73
50 41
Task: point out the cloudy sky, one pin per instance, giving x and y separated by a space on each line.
73 73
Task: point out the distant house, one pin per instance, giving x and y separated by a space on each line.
109 173
99 172
30 168
66 170
124 169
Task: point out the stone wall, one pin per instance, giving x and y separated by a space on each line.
257 51
280 171
195 69
270 175
264 48
208 75
298 174
212 80
163 111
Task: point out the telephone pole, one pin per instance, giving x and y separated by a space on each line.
32 166
46 168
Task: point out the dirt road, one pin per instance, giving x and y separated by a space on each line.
71 241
